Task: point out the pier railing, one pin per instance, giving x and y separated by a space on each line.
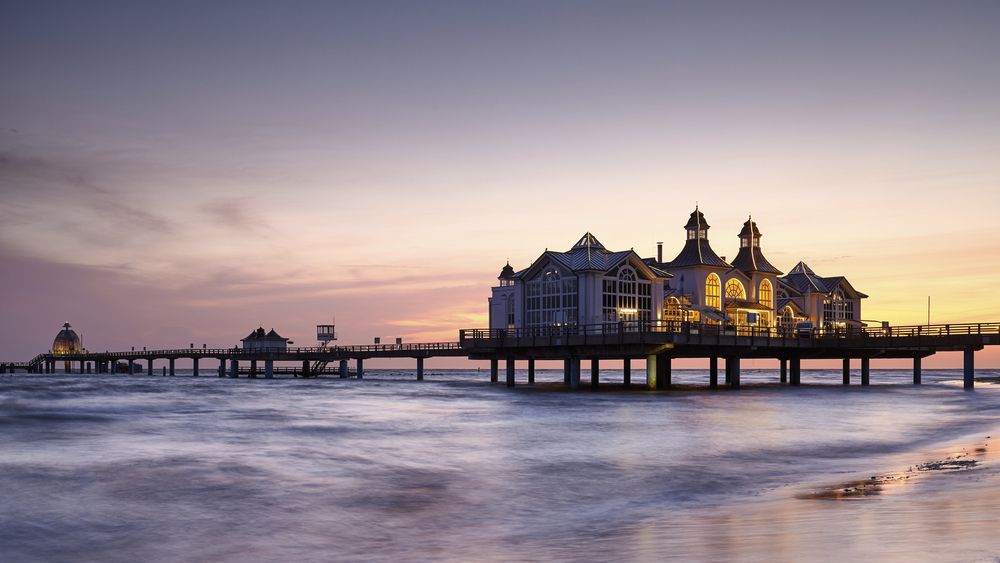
249 353
729 330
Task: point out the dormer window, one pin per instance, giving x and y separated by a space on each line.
697 234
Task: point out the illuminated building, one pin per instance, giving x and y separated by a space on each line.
67 343
589 284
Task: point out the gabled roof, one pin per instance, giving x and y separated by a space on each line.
782 303
802 278
259 334
588 254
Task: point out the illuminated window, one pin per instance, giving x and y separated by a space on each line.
837 307
734 290
787 320
712 288
764 294
672 310
551 300
627 298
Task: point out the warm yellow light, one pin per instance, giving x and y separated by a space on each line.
628 310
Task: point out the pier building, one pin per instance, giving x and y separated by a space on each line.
67 344
589 285
259 339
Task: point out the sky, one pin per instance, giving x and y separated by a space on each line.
184 172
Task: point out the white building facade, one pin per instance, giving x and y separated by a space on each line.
590 285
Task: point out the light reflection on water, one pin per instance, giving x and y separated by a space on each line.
116 468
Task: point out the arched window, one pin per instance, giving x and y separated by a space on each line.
550 299
510 311
734 290
787 320
764 294
712 291
672 310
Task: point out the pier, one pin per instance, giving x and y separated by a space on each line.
656 342
659 342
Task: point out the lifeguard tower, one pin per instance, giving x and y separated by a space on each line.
324 334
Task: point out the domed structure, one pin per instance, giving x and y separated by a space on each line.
67 342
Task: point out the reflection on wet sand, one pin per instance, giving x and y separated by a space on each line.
891 482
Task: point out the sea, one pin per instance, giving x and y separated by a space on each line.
120 468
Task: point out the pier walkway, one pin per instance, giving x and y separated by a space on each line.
310 358
656 342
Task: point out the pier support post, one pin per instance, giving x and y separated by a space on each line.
268 369
234 368
531 371
595 372
734 372
663 376
494 370
343 369
784 370
222 367
253 368
510 372
627 371
567 368
88 367
149 367
305 368
194 367
420 369
171 367
916 371
866 371
713 371
651 372
360 373
969 365
574 373
847 371
795 367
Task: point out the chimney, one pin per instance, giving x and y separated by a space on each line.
659 252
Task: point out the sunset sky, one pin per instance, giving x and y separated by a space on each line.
184 172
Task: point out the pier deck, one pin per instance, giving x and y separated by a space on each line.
657 342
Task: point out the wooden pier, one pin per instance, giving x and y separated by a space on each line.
656 342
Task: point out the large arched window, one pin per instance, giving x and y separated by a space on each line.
712 291
510 311
551 299
734 290
764 294
838 307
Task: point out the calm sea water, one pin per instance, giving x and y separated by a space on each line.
453 468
